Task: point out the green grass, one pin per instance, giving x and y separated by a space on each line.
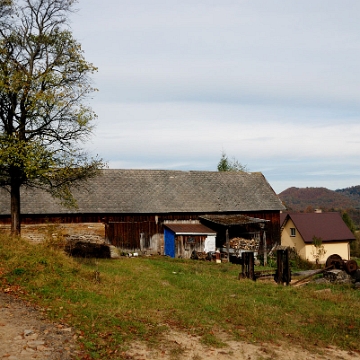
141 298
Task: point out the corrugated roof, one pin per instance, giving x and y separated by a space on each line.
228 220
157 191
327 226
190 229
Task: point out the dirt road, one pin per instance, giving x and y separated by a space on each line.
26 334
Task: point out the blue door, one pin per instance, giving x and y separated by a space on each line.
169 240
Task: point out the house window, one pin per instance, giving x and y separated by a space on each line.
292 232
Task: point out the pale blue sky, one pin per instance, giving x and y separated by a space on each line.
274 84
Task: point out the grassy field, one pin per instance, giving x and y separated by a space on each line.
114 302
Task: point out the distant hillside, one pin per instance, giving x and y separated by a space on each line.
306 199
352 193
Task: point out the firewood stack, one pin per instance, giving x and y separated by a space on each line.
244 244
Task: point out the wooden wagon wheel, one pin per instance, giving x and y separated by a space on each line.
351 266
334 260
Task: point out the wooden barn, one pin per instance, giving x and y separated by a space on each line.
139 207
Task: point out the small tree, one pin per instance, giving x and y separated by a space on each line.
230 165
348 221
319 251
354 245
309 209
44 80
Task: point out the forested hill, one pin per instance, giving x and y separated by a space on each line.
308 199
352 193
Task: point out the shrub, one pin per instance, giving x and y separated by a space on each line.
296 262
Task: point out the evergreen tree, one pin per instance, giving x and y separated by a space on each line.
230 165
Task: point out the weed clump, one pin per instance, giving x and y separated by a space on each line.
297 263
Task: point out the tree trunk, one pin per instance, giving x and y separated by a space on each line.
15 208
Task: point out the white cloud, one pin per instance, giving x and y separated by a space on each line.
275 84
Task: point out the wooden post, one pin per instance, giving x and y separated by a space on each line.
287 268
280 266
227 244
265 248
247 266
283 272
251 272
242 275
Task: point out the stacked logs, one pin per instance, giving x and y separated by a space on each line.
244 244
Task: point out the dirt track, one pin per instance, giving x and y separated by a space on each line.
26 334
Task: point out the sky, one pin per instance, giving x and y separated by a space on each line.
274 84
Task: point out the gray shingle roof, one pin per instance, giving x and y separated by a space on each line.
157 191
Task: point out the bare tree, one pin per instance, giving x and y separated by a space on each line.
44 81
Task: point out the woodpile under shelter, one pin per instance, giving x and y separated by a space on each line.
139 207
238 233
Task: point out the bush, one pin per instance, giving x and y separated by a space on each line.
296 262
355 246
